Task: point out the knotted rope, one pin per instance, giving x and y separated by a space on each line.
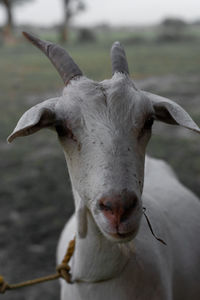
62 271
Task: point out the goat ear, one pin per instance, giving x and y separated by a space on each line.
39 116
170 112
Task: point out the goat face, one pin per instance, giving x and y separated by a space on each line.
104 129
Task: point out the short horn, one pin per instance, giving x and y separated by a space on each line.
61 60
118 59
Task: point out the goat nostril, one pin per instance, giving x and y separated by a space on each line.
105 206
131 204
128 210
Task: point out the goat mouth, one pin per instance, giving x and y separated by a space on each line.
121 236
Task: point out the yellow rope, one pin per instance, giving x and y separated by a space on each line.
62 271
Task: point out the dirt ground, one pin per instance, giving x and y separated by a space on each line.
30 223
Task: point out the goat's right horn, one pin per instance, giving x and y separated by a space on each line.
61 60
118 59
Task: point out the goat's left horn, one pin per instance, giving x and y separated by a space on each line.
61 60
118 59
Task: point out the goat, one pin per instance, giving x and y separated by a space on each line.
104 128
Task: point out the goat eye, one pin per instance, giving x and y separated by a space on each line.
63 131
148 123
147 126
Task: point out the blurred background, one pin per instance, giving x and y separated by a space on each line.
162 42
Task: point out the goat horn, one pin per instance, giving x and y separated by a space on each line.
118 59
61 60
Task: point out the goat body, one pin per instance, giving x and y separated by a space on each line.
143 268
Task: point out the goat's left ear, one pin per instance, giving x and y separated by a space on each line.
39 116
170 112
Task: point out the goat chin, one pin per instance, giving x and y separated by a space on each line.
120 238
116 236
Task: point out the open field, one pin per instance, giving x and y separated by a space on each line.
35 195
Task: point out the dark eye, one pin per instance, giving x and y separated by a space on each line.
147 126
148 123
63 131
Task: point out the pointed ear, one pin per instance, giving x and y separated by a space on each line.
170 112
39 116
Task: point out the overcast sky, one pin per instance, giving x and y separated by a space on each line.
114 12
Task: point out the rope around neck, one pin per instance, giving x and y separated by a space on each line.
62 271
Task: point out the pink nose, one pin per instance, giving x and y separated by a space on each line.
118 208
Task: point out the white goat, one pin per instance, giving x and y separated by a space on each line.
104 129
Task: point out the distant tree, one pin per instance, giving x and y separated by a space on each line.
176 23
8 5
71 8
173 29
86 35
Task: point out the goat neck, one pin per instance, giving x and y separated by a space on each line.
96 258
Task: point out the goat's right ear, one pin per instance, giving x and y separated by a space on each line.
39 116
170 112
